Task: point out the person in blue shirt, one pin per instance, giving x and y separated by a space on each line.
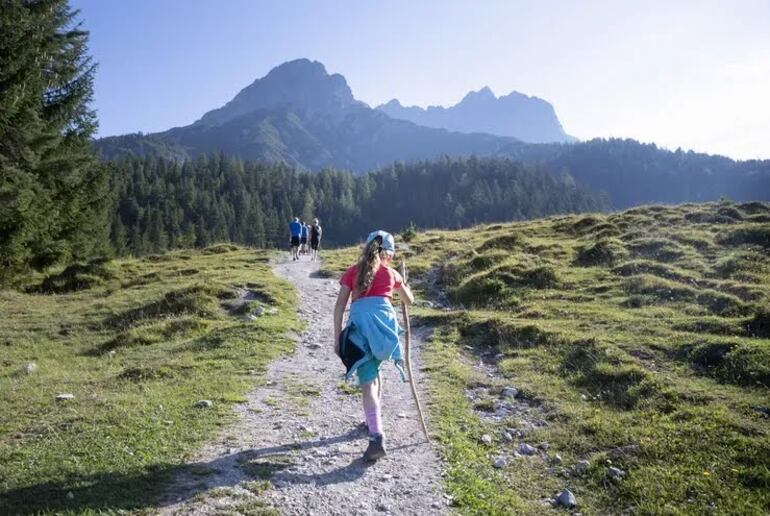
295 233
303 239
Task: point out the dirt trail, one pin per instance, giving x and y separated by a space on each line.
299 432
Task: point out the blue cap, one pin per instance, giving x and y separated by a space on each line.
388 243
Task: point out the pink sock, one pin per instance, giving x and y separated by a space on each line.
373 419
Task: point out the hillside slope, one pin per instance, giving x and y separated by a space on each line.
637 340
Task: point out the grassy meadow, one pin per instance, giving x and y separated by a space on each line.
138 342
638 340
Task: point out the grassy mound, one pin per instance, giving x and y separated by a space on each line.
746 364
76 277
602 253
755 234
642 336
196 300
759 325
651 267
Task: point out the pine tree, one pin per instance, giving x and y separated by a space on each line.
51 190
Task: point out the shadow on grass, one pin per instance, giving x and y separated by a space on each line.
166 484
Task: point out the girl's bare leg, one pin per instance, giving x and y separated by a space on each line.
372 411
371 395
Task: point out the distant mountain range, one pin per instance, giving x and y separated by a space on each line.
529 119
301 115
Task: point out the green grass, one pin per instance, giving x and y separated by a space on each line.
138 342
639 337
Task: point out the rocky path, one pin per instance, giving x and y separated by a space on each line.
298 432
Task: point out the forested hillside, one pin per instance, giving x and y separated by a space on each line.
163 204
633 173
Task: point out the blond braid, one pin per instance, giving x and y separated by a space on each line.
367 264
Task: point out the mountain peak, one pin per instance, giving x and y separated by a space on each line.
300 84
484 93
392 103
529 119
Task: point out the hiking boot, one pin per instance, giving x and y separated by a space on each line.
376 449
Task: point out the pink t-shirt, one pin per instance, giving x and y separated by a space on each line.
384 282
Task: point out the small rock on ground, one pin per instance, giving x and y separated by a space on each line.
566 499
509 392
581 468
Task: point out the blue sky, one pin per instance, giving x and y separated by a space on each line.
690 74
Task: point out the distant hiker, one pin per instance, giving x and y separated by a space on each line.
295 232
303 239
315 239
372 333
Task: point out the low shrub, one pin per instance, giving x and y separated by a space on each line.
409 234
586 223
484 261
730 212
502 335
220 249
707 217
700 243
738 263
484 291
748 365
754 207
759 218
540 277
508 241
620 385
711 354
146 373
656 269
670 291
661 249
759 325
195 300
730 362
77 277
605 252
758 234
713 325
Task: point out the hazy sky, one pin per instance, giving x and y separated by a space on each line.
690 74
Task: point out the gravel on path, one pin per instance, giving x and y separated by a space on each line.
298 431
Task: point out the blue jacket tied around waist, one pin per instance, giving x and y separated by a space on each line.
374 329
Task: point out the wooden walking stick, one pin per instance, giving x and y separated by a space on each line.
407 342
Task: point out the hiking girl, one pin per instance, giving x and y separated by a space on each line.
372 333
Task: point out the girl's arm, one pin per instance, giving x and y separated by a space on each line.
405 294
339 312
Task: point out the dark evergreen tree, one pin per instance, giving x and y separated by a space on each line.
51 189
